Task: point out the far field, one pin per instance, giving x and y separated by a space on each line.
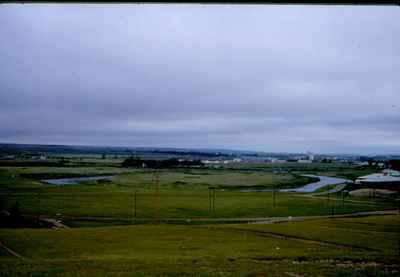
184 193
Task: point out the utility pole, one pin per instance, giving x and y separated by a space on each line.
135 201
211 198
156 198
330 208
273 196
214 201
131 209
133 205
343 196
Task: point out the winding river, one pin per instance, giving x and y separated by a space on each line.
323 181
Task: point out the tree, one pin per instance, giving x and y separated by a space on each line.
168 163
15 211
134 162
394 164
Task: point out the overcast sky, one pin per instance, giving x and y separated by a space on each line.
271 78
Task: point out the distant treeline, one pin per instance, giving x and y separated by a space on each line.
18 149
32 163
394 164
173 162
193 153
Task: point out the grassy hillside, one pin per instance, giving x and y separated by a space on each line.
365 246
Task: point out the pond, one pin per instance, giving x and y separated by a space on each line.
75 181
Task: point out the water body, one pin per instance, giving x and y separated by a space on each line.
323 181
75 181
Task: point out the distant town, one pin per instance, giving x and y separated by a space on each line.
211 157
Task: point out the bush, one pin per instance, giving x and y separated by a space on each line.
169 163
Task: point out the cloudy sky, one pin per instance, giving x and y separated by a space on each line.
269 78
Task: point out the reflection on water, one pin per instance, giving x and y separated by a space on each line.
74 181
323 181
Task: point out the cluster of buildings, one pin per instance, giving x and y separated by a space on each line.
387 179
235 160
25 157
378 164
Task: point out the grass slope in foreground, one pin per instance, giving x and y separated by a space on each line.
367 246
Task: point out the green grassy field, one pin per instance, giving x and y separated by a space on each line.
342 170
184 204
105 241
183 194
367 246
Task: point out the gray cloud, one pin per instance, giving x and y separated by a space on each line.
273 78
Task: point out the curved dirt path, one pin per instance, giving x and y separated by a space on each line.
12 252
239 220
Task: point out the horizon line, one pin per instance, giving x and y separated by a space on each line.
201 148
